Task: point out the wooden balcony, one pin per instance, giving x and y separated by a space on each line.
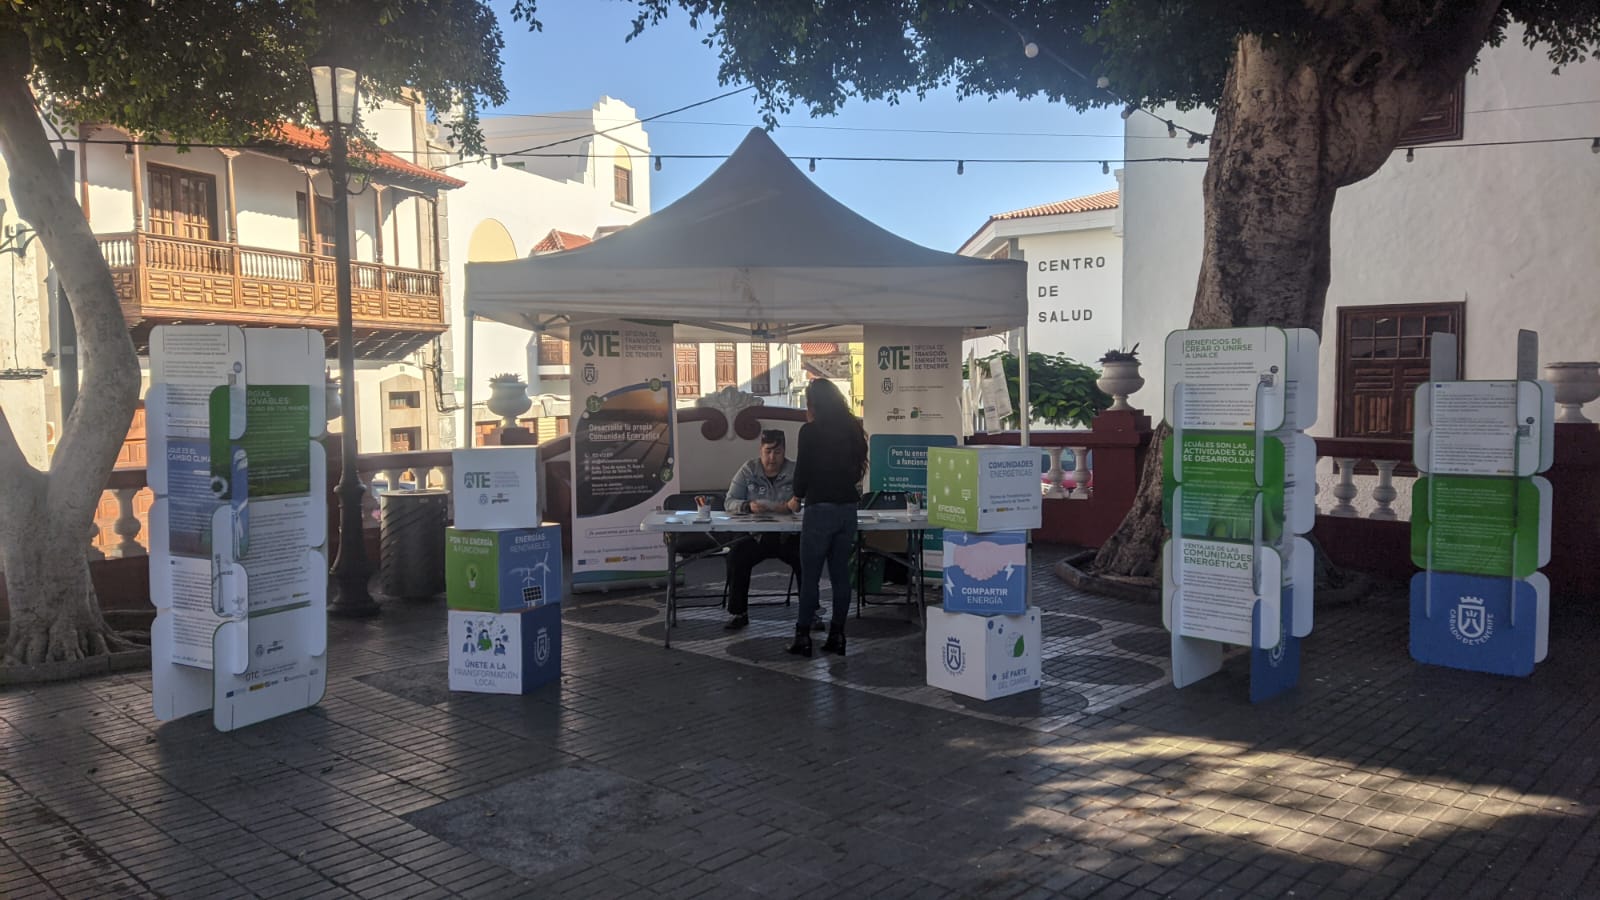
171 280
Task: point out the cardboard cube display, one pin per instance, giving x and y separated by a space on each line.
983 657
502 571
496 487
986 574
504 653
985 488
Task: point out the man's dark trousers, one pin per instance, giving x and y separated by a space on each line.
744 556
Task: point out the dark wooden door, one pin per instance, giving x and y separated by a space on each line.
183 203
1384 353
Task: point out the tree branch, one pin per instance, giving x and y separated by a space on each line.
93 433
14 468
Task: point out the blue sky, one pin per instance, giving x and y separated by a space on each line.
581 54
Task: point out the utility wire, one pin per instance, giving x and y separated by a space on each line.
725 94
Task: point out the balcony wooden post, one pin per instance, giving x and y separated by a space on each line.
138 188
377 225
313 245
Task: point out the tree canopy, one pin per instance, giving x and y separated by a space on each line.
1149 51
226 72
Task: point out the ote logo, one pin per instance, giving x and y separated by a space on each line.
955 661
599 342
1470 622
894 357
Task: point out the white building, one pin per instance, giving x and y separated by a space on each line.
242 236
1073 249
1478 240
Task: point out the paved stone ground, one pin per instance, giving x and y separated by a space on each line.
694 772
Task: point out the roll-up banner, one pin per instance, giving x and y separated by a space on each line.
623 450
913 402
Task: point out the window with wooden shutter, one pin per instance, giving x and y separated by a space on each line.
727 366
1383 356
760 370
1443 121
552 350
323 245
182 203
688 356
622 175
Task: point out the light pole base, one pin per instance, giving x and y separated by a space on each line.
352 601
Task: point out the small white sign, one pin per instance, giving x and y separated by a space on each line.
1213 591
1227 379
1480 428
496 487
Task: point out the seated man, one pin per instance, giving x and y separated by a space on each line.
762 485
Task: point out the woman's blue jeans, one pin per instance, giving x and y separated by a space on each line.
827 537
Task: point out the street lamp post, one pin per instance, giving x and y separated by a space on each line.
336 90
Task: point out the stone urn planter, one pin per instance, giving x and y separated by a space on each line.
1576 383
1119 377
508 398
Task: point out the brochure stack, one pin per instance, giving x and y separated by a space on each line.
503 581
985 641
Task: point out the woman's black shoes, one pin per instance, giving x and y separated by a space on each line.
835 642
802 643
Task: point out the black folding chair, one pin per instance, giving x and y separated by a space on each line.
877 500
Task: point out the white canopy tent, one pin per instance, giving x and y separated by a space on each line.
756 252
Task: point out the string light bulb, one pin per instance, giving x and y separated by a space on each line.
813 166
127 150
658 164
1102 82
1105 168
961 167
1129 110
1594 147
494 162
1411 154
1172 130
1030 49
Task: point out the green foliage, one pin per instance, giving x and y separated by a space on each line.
1062 391
506 378
223 71
820 52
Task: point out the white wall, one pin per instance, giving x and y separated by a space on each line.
1074 292
529 205
1513 231
23 338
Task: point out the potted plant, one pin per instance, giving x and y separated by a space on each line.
1119 376
508 398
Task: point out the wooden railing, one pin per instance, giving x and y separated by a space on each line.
160 274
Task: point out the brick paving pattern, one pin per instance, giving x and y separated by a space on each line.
696 772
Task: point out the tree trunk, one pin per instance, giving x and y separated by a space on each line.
1292 127
45 520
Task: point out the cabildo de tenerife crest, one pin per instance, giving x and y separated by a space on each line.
1480 517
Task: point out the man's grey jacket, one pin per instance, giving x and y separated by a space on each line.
751 483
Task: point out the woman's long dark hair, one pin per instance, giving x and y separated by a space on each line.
831 411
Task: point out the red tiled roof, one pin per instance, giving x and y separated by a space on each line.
558 240
817 349
1091 203
381 160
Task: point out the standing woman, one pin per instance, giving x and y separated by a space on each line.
832 460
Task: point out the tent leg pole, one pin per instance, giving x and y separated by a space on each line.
469 431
